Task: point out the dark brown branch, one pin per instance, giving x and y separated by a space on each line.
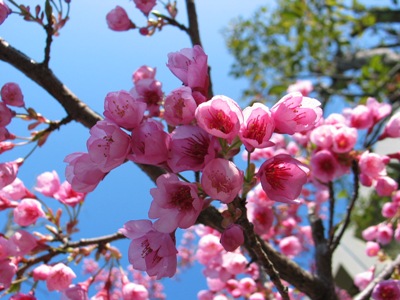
331 211
383 275
194 33
323 256
350 207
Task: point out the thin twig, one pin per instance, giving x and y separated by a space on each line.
354 197
331 212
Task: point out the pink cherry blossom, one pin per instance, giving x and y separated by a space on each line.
385 186
149 143
175 203
369 233
247 286
190 66
386 289
133 291
75 292
389 209
384 233
392 128
5 248
303 86
372 248
22 242
4 11
12 95
145 6
27 212
121 108
257 127
379 110
41 272
60 277
372 164
344 139
361 117
179 107
149 91
8 172
16 190
257 296
191 148
324 166
67 195
209 247
118 20
361 280
48 183
290 245
282 178
108 145
7 272
295 113
150 250
6 115
232 237
222 180
221 117
143 72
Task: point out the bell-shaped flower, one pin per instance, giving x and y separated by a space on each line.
220 117
150 250
108 145
4 11
149 143
48 183
12 95
191 148
68 196
143 72
179 107
324 166
82 173
121 108
296 113
232 237
190 66
282 178
175 204
118 20
222 180
27 212
257 127
59 278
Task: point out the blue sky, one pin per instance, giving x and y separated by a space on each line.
92 61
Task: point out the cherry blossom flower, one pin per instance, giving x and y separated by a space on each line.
82 173
385 186
372 248
220 117
75 292
179 107
6 115
59 278
121 108
324 166
12 95
290 245
386 289
143 72
384 233
361 117
191 148
4 11
257 127
361 280
148 90
7 272
150 250
303 86
344 139
22 296
372 164
379 110
118 20
392 128
190 66
108 145
222 180
232 237
295 113
145 6
16 190
134 291
27 212
8 172
41 272
282 178
149 143
175 203
48 183
67 195
22 242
